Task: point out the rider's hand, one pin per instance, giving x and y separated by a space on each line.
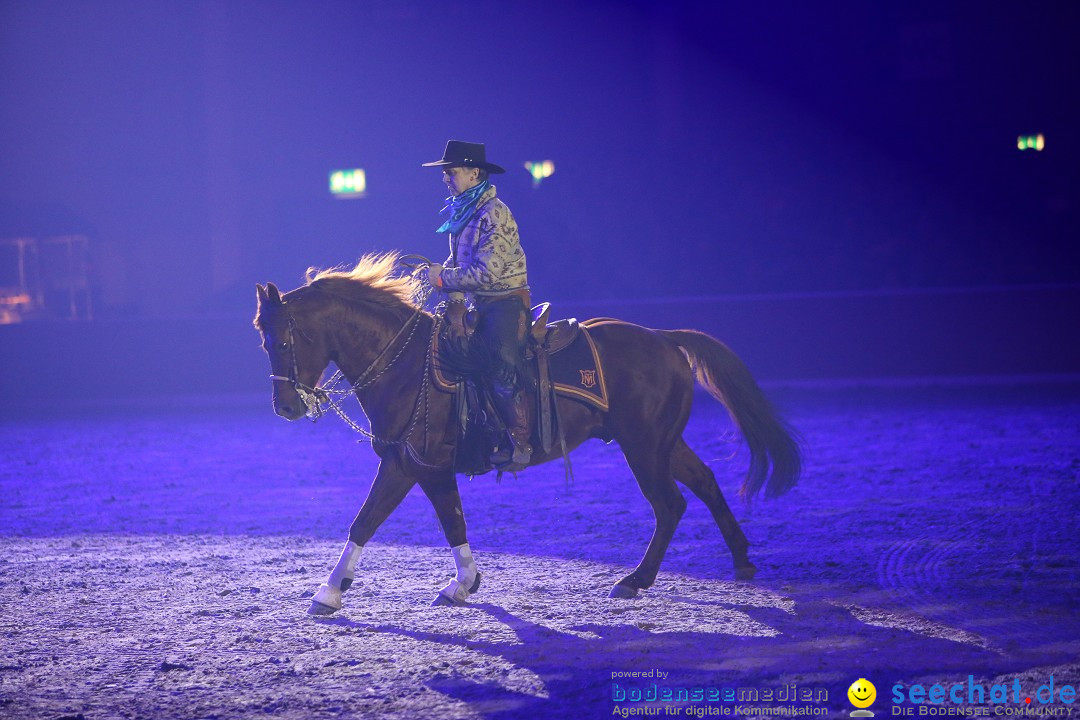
434 275
455 317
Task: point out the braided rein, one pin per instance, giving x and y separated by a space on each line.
333 396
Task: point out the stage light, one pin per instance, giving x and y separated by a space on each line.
1031 142
348 183
540 170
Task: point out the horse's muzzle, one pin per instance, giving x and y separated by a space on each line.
290 410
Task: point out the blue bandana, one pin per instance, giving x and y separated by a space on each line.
461 208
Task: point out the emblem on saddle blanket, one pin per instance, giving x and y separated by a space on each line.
575 371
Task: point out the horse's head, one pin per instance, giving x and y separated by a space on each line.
298 352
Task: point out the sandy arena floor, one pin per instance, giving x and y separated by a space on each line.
155 562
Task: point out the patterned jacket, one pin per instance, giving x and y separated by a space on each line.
486 257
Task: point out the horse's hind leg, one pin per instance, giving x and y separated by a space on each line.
442 490
689 469
652 470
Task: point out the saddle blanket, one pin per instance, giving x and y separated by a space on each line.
576 372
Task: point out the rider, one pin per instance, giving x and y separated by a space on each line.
487 263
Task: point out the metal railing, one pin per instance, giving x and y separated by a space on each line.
46 277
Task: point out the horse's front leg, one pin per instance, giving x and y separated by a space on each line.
442 490
392 484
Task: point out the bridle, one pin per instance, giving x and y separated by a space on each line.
310 396
314 397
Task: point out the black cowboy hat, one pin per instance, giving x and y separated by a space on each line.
465 154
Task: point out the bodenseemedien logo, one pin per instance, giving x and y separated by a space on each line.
862 694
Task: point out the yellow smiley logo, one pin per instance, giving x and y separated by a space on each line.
862 693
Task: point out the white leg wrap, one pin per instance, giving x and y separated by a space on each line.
458 588
329 594
346 566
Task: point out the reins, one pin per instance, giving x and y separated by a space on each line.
314 397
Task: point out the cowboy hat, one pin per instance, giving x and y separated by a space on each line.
465 154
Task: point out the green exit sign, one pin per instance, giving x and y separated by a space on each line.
348 183
1031 142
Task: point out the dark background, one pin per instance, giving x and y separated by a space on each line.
699 146
702 149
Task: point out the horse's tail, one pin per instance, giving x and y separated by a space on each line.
772 441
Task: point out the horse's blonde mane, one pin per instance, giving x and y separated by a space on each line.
371 279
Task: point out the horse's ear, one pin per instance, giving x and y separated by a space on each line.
260 292
272 294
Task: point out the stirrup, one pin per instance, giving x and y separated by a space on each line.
512 458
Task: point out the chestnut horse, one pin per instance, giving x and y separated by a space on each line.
367 323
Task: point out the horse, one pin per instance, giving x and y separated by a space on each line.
368 322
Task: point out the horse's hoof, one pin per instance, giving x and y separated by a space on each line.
746 572
325 601
443 601
623 592
318 608
475 585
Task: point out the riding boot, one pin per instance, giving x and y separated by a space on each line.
511 406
